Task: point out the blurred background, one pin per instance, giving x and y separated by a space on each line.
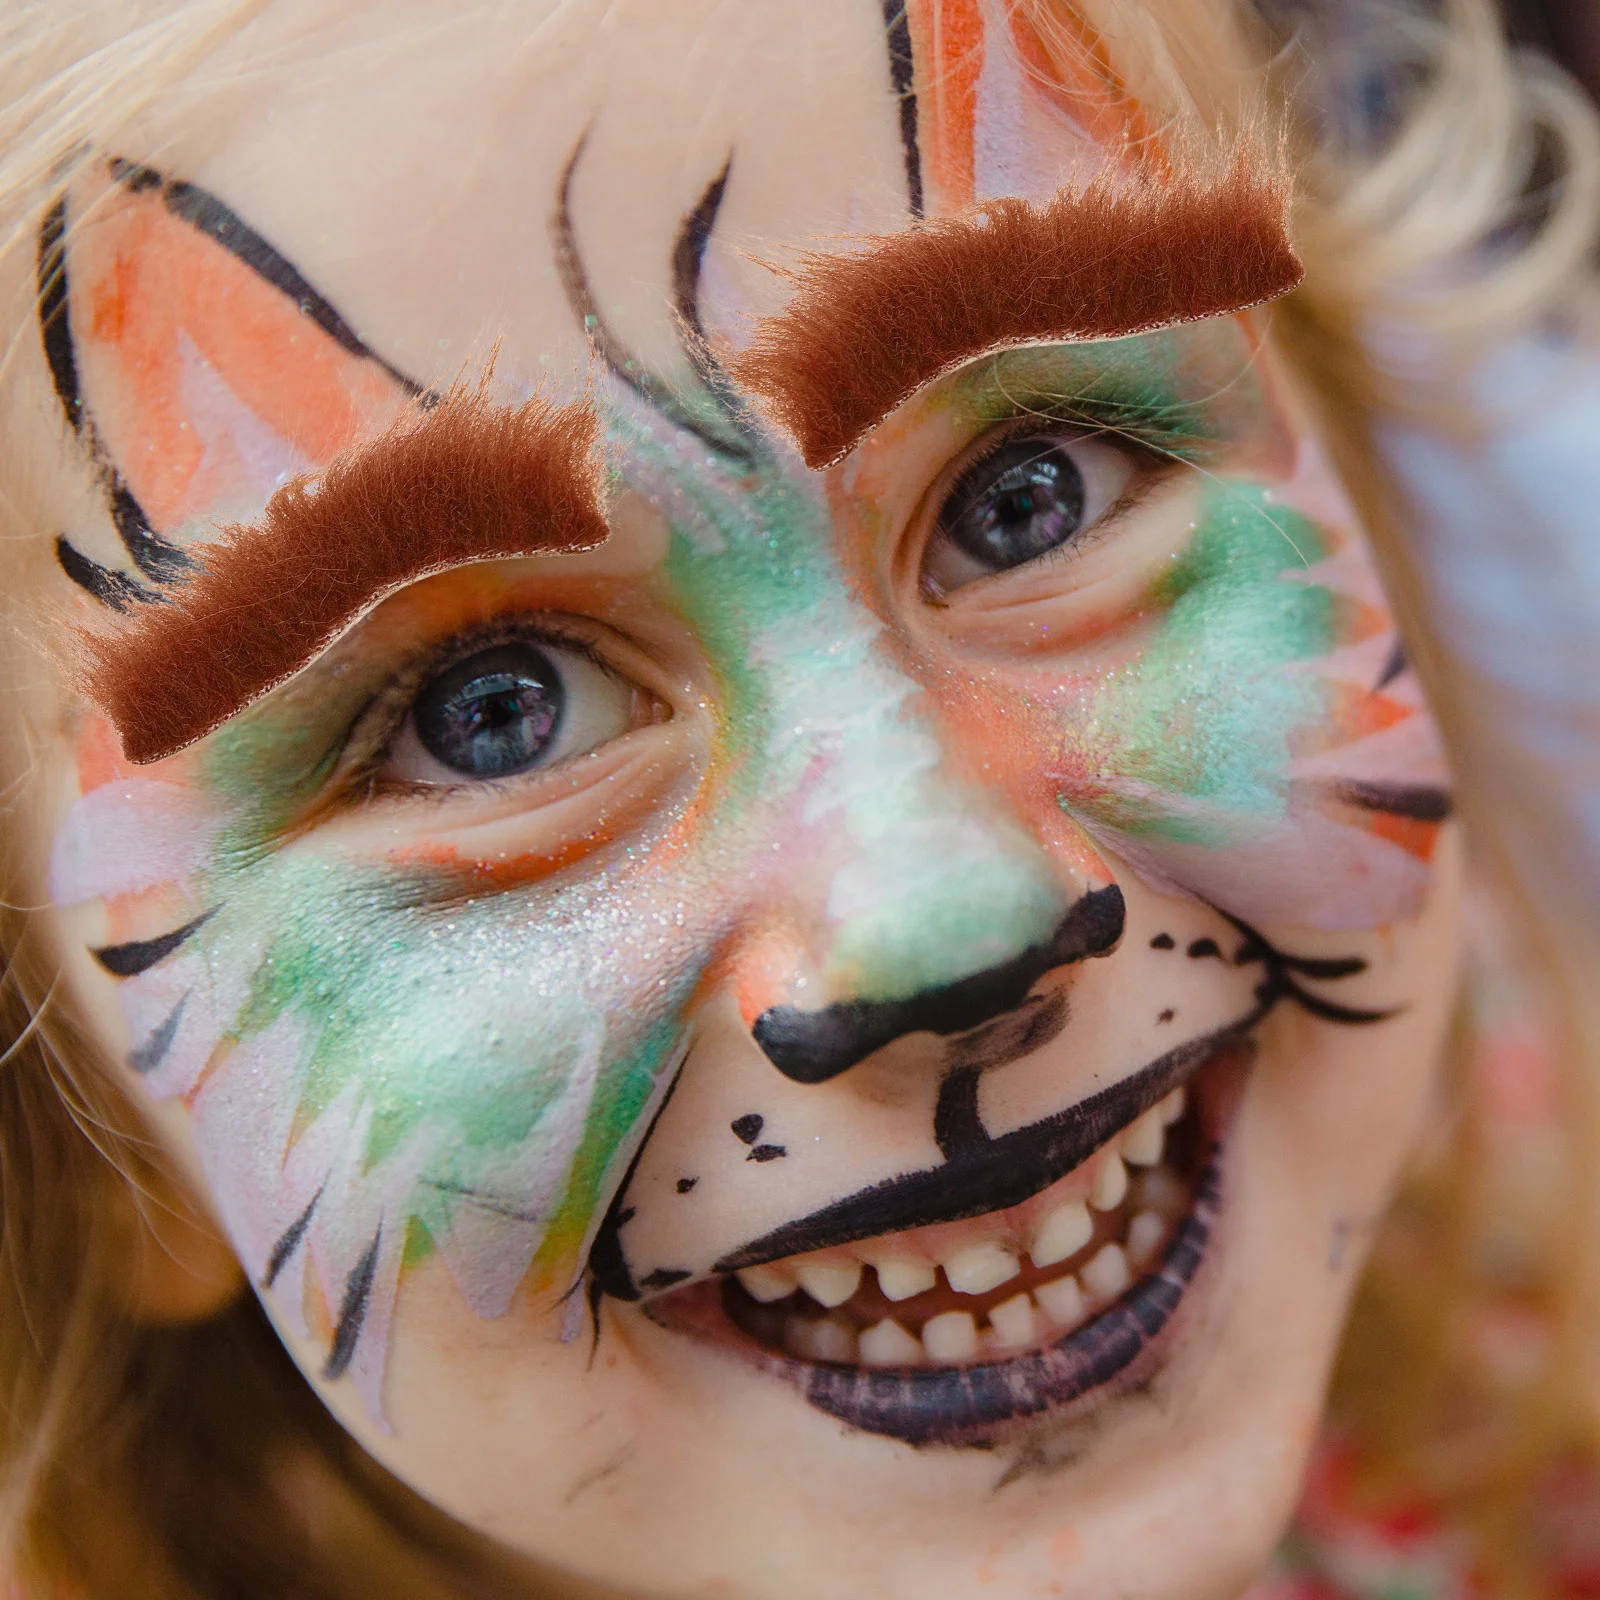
1568 30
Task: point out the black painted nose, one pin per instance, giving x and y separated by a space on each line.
814 1046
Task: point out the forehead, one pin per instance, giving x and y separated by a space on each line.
411 167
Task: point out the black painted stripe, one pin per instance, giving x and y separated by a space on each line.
902 78
54 329
619 360
149 1055
206 214
1393 667
689 251
1423 802
289 1242
688 265
114 589
353 1310
139 955
157 558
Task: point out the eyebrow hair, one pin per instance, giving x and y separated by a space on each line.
864 330
464 481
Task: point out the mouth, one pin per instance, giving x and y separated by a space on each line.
959 1329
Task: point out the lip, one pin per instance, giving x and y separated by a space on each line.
977 1404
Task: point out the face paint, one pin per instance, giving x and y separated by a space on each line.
1001 109
379 1064
391 1053
1250 732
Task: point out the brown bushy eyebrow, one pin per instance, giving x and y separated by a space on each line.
864 330
463 481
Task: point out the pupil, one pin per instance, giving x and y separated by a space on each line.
494 713
1016 504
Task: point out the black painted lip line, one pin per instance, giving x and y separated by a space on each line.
999 1173
965 1405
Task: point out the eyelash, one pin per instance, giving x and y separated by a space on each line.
1143 426
393 703
1156 446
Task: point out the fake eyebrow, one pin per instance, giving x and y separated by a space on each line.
864 331
464 481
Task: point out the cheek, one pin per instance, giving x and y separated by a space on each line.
1252 734
378 1069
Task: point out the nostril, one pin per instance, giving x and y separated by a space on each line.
814 1046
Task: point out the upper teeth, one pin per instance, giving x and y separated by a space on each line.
977 1267
829 1283
1142 1143
900 1277
980 1267
1061 1233
1110 1184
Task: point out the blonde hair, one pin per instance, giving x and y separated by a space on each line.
139 1460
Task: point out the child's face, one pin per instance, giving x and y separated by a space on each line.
991 894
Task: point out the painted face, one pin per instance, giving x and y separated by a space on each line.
660 894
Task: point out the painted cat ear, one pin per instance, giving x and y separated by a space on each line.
198 367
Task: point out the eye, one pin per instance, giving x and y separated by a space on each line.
1022 499
506 709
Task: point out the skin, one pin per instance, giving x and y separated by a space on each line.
823 781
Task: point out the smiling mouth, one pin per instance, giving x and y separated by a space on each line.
952 1331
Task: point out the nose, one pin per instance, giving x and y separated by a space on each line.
814 1046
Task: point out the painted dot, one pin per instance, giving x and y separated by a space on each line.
766 1152
1163 941
747 1129
1201 948
686 1184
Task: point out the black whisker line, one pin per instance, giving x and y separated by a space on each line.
595 1294
1280 985
1331 1011
481 1201
145 1058
1393 667
619 360
290 1239
353 1310
1259 948
1419 802
902 79
139 955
